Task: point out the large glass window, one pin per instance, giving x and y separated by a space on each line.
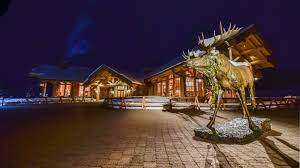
121 90
87 92
177 86
64 89
80 90
60 89
68 90
189 83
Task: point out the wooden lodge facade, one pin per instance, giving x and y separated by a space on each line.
179 81
104 82
176 79
172 79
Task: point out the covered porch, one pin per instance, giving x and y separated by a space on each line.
106 82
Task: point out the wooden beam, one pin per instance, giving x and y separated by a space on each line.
245 52
258 61
249 42
44 88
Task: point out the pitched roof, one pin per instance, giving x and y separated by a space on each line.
52 72
103 66
178 60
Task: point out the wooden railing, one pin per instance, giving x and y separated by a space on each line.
45 100
137 102
156 102
276 102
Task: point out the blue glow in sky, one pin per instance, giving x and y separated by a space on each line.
76 43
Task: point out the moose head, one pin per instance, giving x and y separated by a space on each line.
207 47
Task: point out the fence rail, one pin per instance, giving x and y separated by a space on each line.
156 102
45 100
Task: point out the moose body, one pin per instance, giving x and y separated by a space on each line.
229 77
225 73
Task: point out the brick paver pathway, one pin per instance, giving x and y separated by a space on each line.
90 136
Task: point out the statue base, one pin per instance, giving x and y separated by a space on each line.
234 131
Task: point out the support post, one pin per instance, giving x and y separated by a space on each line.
44 88
98 93
65 86
173 91
182 86
143 103
83 95
54 88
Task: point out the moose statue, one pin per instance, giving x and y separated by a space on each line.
223 73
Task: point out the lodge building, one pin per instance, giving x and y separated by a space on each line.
172 79
103 82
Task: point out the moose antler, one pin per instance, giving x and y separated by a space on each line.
188 56
207 44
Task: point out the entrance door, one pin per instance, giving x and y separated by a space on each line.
120 93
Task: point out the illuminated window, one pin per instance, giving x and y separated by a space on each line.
199 87
64 89
122 87
164 88
121 91
189 83
87 92
80 90
158 89
177 86
68 89
170 85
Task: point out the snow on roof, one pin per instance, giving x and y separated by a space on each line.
175 62
103 66
73 73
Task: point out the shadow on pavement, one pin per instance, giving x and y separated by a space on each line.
287 144
278 158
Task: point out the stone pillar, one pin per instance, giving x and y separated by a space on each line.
44 88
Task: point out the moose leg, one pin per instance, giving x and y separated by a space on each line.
252 96
242 97
241 102
217 106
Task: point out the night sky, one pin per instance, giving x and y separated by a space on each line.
138 35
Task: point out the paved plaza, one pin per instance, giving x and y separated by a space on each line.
90 135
